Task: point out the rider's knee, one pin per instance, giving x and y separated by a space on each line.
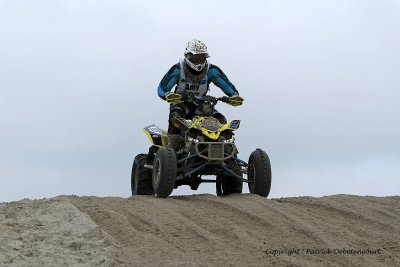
220 117
176 113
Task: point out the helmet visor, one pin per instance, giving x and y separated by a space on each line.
197 58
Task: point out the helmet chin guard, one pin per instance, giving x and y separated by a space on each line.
196 67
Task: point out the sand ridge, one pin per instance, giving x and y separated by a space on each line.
201 230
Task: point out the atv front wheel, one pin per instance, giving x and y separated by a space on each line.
141 177
259 173
164 172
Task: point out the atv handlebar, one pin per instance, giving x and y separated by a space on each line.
208 98
206 104
234 100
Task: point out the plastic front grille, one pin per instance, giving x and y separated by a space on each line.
215 151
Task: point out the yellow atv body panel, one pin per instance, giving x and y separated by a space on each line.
158 137
209 126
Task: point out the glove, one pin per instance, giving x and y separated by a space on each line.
173 98
235 100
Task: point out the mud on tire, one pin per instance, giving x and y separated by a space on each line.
141 177
164 172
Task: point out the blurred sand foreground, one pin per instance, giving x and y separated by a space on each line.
201 230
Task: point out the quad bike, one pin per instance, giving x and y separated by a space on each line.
207 148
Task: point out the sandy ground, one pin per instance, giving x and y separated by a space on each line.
201 230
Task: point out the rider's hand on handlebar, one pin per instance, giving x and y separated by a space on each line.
235 100
173 98
224 99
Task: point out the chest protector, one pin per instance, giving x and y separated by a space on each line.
197 86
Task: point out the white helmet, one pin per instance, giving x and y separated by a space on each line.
196 54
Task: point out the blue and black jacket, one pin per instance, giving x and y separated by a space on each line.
214 75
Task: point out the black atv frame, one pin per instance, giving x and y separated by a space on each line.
192 175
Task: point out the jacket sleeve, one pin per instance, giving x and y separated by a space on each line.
219 79
168 81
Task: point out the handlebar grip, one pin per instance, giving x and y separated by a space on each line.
224 99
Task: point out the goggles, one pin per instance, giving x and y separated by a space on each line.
197 58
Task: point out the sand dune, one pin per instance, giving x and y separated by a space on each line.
201 230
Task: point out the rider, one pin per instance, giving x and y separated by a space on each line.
193 75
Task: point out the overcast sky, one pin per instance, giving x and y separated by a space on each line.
320 79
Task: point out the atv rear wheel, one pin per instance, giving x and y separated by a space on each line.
259 173
164 172
141 177
230 184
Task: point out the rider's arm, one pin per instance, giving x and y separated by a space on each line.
168 81
219 78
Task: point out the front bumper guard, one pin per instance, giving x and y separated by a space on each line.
215 152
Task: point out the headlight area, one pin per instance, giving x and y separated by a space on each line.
227 134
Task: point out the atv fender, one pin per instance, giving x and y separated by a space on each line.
158 137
